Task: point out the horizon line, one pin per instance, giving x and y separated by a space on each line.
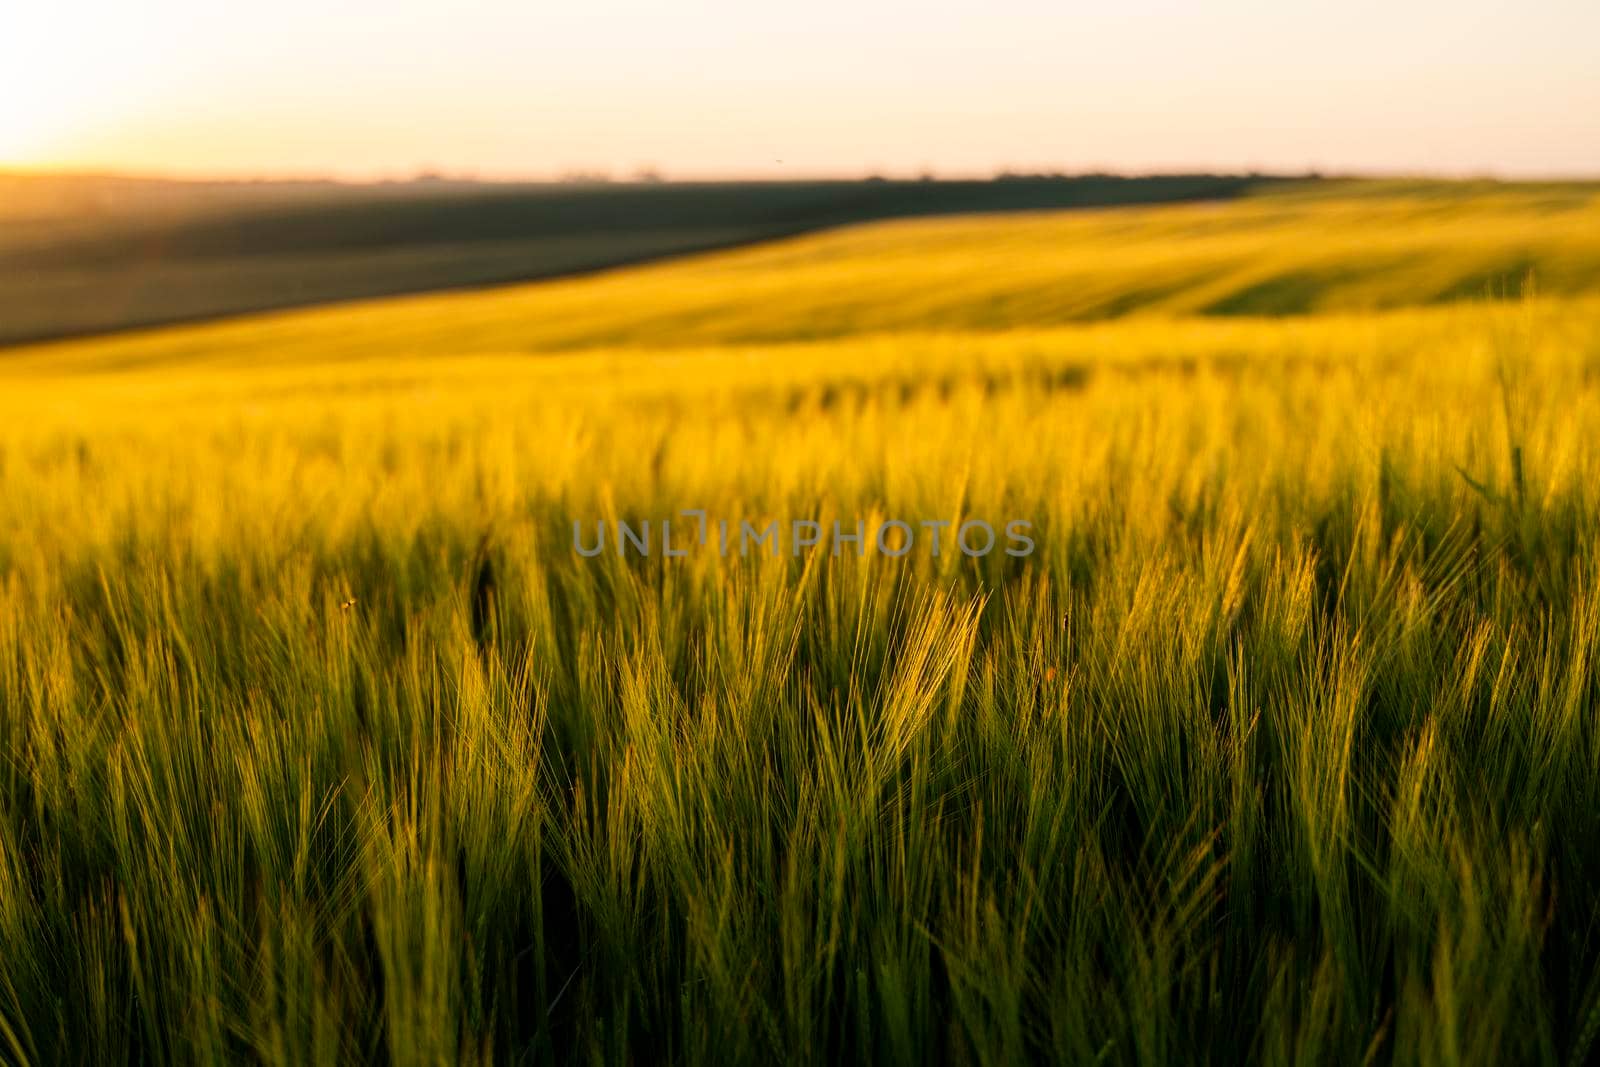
646 175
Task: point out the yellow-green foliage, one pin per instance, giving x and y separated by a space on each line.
322 743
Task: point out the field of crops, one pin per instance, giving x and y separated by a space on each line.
324 743
84 254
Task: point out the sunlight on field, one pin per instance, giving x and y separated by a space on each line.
1303 250
325 740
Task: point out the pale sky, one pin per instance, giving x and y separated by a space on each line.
366 88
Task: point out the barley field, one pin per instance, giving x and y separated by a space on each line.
323 743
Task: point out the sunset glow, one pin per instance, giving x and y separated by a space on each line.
493 87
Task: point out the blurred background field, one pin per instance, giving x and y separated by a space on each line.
1290 249
324 745
85 253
